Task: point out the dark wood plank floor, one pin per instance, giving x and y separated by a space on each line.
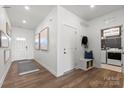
75 79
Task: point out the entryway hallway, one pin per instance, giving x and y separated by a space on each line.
76 79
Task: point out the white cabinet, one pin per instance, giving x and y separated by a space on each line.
123 47
114 62
114 57
103 56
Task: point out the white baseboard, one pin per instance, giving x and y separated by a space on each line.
48 68
22 60
5 71
111 67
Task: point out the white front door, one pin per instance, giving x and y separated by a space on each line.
69 47
20 48
22 44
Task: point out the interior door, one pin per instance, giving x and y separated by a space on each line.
69 47
20 48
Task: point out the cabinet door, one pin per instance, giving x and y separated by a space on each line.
122 49
103 56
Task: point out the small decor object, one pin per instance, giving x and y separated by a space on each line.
37 41
84 41
4 40
44 39
8 30
88 55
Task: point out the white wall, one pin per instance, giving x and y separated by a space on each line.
94 31
3 67
52 59
49 58
29 36
65 17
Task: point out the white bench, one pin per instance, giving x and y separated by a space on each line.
85 64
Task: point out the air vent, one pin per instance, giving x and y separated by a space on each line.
6 7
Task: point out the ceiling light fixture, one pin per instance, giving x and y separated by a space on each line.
92 6
27 7
24 21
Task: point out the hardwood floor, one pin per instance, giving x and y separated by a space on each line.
75 79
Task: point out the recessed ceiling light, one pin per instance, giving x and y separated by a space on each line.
24 21
92 6
27 7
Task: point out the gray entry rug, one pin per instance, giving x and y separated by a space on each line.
26 67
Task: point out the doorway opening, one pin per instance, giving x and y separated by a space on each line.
111 48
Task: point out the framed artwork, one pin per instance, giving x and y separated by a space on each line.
37 41
8 30
44 39
4 40
7 55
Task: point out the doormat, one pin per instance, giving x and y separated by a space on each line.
27 67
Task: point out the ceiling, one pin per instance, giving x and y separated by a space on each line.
37 13
33 16
88 13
